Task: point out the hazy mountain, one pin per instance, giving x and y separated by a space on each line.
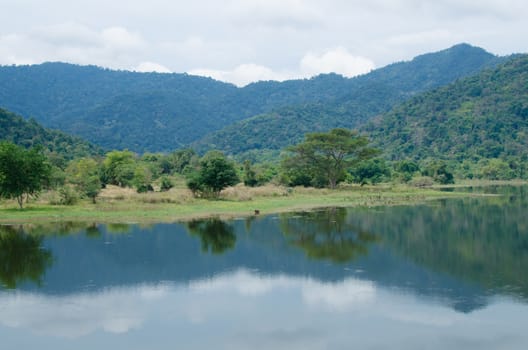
154 112
359 100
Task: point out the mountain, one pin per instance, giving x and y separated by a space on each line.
483 116
365 97
145 111
161 112
28 133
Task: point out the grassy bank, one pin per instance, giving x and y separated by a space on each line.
124 205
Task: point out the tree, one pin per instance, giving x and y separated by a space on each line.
438 170
23 173
250 177
84 174
142 179
215 173
326 156
371 170
119 167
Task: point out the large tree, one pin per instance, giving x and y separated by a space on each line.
23 173
324 157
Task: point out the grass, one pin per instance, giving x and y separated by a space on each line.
116 204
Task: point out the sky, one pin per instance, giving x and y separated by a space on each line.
242 41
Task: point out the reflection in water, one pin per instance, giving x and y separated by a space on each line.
482 241
326 235
21 257
244 310
318 280
215 235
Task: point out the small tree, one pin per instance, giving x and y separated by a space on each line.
23 173
250 176
84 174
215 173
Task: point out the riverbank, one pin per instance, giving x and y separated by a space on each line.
116 205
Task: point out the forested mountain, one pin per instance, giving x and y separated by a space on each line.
364 97
29 133
483 116
161 112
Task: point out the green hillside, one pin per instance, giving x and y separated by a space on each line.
161 112
29 133
368 96
481 117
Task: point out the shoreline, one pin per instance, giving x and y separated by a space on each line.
173 207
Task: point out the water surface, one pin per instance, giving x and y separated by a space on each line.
449 274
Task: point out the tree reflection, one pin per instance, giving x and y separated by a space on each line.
326 235
22 257
216 236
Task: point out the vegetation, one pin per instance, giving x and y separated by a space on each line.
162 112
214 174
353 102
324 157
23 173
58 146
477 126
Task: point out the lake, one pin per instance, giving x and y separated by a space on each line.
450 274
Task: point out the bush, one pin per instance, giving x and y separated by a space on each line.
165 184
68 196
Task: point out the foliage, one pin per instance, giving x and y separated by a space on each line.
250 176
84 173
142 180
350 102
58 146
23 173
439 172
68 196
118 168
482 117
326 156
371 171
215 173
162 112
165 184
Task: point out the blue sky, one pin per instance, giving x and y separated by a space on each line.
247 40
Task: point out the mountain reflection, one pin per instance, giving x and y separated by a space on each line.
21 257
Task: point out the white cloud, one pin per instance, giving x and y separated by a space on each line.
275 14
243 74
113 47
338 60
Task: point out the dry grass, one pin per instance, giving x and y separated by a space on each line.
174 195
243 193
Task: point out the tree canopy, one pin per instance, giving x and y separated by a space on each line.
215 173
324 157
23 173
